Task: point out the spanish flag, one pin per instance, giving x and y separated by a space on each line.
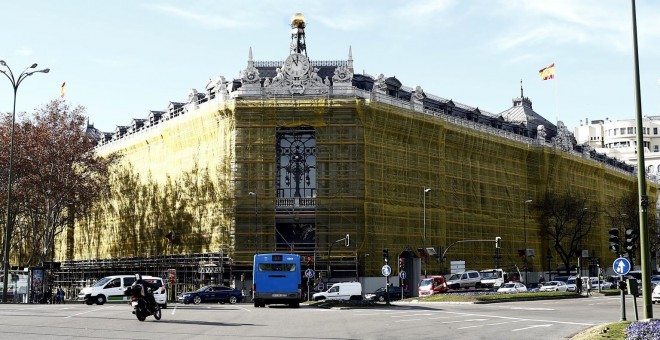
62 89
547 72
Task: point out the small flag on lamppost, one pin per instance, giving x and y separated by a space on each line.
62 90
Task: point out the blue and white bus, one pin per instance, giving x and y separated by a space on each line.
276 280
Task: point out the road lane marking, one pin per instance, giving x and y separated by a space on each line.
407 315
90 311
468 320
407 320
532 308
530 327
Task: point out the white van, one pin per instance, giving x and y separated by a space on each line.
111 289
341 291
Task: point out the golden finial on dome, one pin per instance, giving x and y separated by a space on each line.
298 20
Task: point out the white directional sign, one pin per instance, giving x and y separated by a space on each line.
386 270
309 273
621 266
402 275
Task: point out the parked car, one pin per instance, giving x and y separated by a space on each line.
214 293
570 284
432 285
655 295
466 279
379 295
553 286
604 285
512 287
655 280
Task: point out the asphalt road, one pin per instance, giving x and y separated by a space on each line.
550 319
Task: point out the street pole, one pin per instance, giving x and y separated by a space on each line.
644 249
256 248
426 258
15 82
525 237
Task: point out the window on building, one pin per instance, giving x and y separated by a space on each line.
655 148
631 130
650 169
614 132
655 131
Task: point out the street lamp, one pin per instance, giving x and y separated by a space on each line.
426 190
15 82
254 193
525 237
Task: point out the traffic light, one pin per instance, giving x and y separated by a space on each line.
386 254
614 240
630 241
347 240
309 262
402 264
497 242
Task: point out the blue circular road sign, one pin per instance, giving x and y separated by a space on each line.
386 270
621 266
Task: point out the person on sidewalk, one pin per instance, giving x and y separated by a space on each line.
578 285
590 286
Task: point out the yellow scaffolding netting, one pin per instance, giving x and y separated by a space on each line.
193 174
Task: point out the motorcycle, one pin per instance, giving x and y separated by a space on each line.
140 304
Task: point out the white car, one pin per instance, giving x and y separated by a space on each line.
604 285
554 286
571 283
512 287
655 296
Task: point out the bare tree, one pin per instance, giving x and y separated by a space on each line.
623 213
58 175
566 220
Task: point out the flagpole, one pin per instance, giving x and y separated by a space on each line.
556 96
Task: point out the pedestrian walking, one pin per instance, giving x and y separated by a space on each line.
590 286
60 295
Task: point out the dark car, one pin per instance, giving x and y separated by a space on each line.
215 293
379 294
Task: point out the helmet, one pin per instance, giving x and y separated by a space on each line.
138 277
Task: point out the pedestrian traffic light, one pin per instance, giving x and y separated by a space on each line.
402 264
386 254
309 262
614 240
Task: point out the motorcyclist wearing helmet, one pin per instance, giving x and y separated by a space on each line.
148 293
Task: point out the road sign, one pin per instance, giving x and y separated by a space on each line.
621 266
386 270
309 273
402 274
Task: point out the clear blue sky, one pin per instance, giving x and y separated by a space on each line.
121 59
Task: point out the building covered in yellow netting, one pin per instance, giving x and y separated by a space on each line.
306 156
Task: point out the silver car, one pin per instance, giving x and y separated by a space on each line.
553 286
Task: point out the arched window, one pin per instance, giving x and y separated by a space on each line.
650 169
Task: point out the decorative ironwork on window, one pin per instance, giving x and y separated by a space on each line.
296 162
